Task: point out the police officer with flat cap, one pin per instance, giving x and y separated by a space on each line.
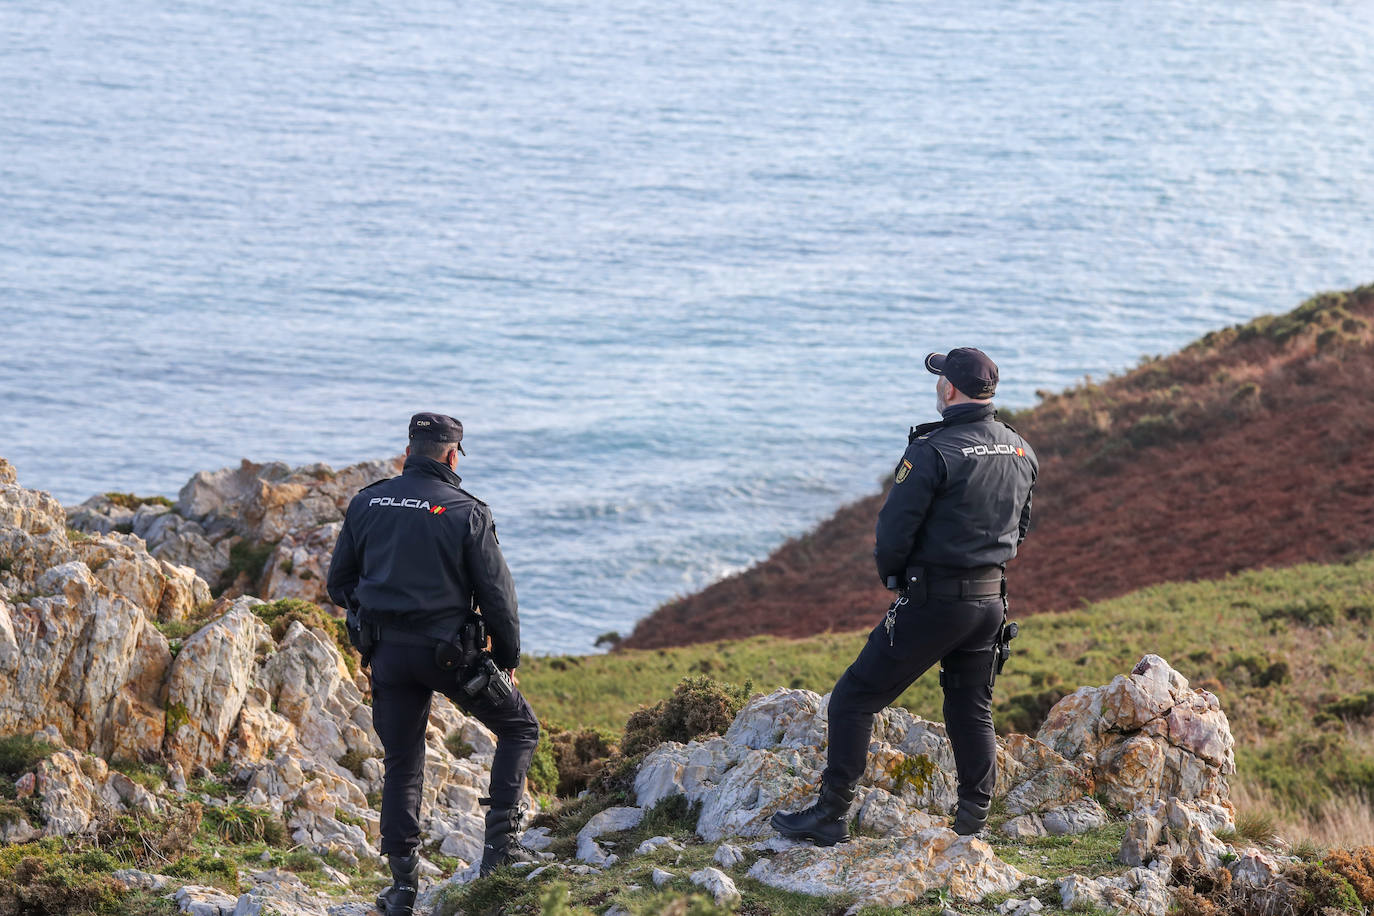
959 507
416 561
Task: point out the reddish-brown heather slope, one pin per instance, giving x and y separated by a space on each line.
1252 447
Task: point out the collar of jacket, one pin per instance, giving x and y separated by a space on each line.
428 467
968 413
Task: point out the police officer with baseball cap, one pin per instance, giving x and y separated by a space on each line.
420 569
958 509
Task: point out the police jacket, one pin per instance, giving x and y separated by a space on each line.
419 552
960 497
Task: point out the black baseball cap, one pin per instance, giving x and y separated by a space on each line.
437 428
968 369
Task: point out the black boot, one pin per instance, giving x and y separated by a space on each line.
969 817
825 823
499 846
399 899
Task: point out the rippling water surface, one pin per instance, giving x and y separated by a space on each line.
674 265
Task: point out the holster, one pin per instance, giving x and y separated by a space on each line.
463 650
362 635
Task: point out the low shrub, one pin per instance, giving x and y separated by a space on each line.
1317 888
1026 712
1356 706
239 824
543 773
130 501
699 706
219 871
246 558
41 879
279 615
1313 613
458 747
579 756
1357 867
352 761
139 841
21 753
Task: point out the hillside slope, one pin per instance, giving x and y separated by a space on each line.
1252 447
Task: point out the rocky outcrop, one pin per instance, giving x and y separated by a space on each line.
282 521
1145 739
1066 820
892 872
78 651
1146 736
1137 892
82 658
1177 832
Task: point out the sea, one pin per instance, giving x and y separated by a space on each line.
674 265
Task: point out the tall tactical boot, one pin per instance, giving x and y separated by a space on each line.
499 846
825 823
399 899
969 817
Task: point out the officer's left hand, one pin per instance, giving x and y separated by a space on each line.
515 681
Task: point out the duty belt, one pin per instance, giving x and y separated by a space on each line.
397 636
967 589
424 637
973 584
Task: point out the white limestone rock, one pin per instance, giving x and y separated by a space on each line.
657 842
1137 892
612 820
891 872
728 856
1172 829
199 900
1146 736
718 884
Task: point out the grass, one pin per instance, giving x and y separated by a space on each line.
279 615
21 753
130 501
249 558
1261 640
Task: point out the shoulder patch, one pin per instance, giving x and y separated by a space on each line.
903 470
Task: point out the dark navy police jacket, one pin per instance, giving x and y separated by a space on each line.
960 497
419 552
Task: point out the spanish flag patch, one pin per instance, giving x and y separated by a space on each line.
903 469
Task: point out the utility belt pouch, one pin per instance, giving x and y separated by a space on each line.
464 649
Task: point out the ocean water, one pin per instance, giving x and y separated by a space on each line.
675 266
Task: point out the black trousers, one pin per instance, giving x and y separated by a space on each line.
404 679
959 632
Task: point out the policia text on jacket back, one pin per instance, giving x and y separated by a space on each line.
415 563
958 509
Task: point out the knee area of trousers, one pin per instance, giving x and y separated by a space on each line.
525 732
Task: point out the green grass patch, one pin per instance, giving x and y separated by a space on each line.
132 502
246 558
21 753
1051 857
279 615
151 776
239 824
